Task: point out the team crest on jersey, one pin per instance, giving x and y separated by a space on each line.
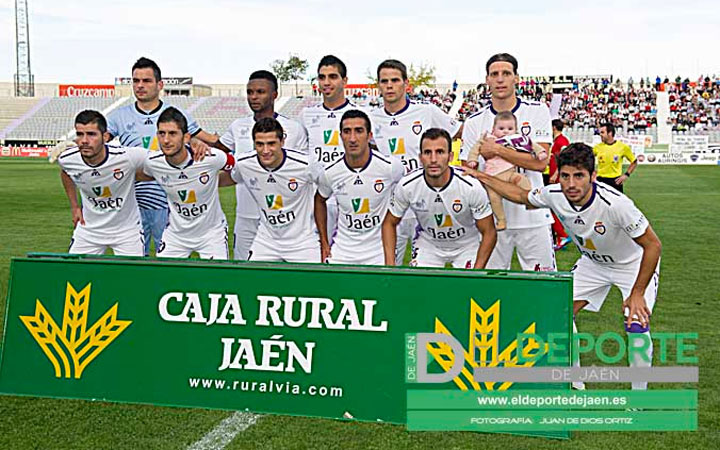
599 228
204 178
182 176
417 127
457 206
379 186
95 173
118 174
579 221
616 158
525 129
292 184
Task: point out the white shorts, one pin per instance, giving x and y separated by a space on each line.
534 248
243 236
214 245
427 254
406 231
275 252
365 258
129 243
592 282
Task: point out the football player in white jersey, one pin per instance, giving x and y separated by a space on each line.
105 175
454 214
282 183
527 232
197 222
397 127
322 122
362 181
262 91
617 244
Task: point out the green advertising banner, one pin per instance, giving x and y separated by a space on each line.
311 340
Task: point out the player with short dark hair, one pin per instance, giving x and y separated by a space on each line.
322 121
135 125
105 176
397 128
197 222
262 91
528 232
617 244
453 212
362 182
281 182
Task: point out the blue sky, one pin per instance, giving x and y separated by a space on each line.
223 41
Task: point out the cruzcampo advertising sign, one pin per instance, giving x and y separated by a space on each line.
310 340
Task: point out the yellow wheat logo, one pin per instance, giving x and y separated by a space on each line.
483 349
74 343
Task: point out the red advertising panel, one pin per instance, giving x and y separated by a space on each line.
29 152
87 90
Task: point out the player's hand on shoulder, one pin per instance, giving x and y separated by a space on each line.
199 149
57 150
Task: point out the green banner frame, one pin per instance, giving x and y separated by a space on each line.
138 331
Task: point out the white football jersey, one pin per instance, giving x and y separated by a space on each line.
398 135
192 191
285 196
238 138
533 120
363 196
603 229
137 128
445 215
323 130
107 190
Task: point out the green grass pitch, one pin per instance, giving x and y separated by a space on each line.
682 203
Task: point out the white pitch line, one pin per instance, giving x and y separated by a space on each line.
220 436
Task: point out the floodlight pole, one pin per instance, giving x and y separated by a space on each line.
24 79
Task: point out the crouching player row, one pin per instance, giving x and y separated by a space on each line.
106 175
617 244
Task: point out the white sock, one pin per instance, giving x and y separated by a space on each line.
637 360
579 385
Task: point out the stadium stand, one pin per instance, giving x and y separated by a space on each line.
13 111
215 114
294 105
54 117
